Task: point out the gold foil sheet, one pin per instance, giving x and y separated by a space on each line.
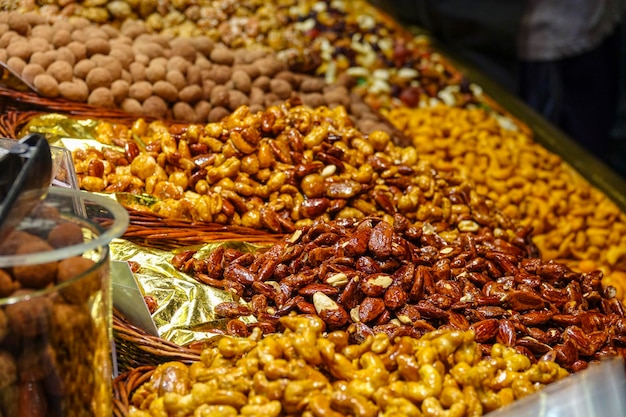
57 128
184 311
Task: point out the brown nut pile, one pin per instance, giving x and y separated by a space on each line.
280 169
304 372
570 218
187 79
377 277
51 349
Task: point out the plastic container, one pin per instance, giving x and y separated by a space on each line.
63 174
55 325
598 391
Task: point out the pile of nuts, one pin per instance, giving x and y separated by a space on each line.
393 278
570 218
389 67
281 169
235 23
302 371
52 351
187 79
330 38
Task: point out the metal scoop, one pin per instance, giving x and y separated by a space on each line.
25 175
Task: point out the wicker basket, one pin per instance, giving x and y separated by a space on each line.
134 347
151 230
26 101
124 386
12 121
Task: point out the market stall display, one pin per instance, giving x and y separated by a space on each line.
187 79
278 170
393 202
328 38
304 371
376 277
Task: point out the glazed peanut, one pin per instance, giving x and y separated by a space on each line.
301 371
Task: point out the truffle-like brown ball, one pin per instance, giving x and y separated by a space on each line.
7 285
19 23
47 85
61 71
76 90
35 276
98 77
29 317
97 46
154 106
101 97
86 275
65 234
16 238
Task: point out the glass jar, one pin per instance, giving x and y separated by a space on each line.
56 307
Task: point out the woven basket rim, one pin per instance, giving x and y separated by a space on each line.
125 384
154 344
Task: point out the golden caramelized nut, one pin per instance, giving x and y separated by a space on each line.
281 168
303 370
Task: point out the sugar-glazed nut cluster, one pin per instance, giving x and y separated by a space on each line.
379 277
281 169
302 371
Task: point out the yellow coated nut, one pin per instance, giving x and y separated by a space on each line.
303 371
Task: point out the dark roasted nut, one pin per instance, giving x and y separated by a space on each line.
381 240
506 333
314 207
311 289
332 313
485 330
332 268
238 273
395 297
231 309
236 327
370 309
151 303
181 258
375 285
